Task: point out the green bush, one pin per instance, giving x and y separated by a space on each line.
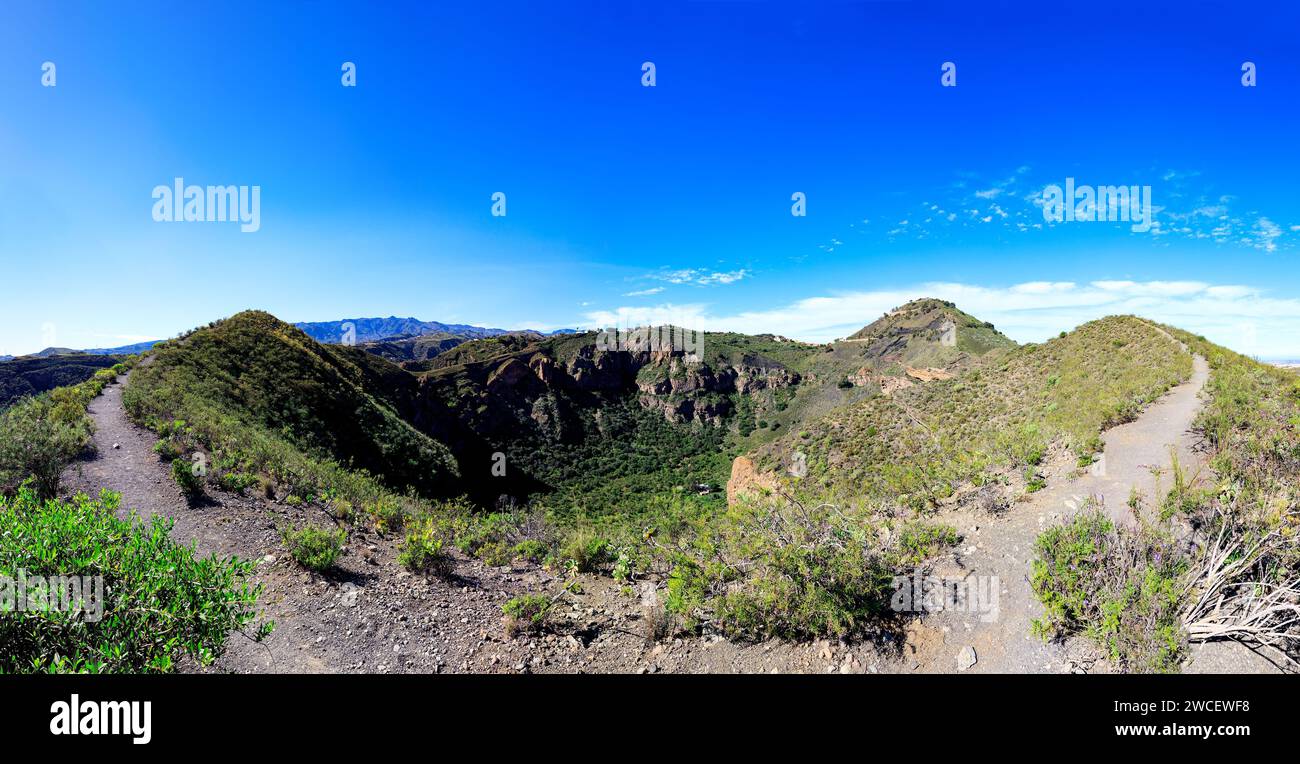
166 450
531 550
314 548
1120 587
38 438
526 614
183 473
236 482
779 568
388 513
586 552
423 549
160 602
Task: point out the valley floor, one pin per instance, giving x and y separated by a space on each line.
371 616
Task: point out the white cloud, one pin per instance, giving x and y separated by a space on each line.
699 276
1237 316
644 292
1043 287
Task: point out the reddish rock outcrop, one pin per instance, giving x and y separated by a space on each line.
746 479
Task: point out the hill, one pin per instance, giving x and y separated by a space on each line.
413 349
608 435
610 461
261 396
989 424
32 375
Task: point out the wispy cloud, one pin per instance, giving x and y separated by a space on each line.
1183 202
644 292
699 276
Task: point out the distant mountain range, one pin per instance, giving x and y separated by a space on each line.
333 332
372 329
375 329
138 347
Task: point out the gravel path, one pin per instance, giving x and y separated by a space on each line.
368 616
1137 456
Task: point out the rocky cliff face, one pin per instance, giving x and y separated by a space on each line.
547 386
686 391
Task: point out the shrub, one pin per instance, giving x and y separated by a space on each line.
314 548
190 483
531 550
586 552
423 549
166 450
783 569
388 513
526 614
236 482
1120 587
38 441
660 623
159 602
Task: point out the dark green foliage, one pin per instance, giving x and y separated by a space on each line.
161 601
189 481
40 436
33 375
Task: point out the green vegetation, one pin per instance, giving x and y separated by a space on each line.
526 614
189 481
1246 573
314 548
1121 588
1237 574
34 375
263 399
422 549
615 464
161 602
40 436
631 470
781 568
922 443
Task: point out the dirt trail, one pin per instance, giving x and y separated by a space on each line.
1137 456
368 617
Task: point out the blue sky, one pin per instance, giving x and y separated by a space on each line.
670 202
